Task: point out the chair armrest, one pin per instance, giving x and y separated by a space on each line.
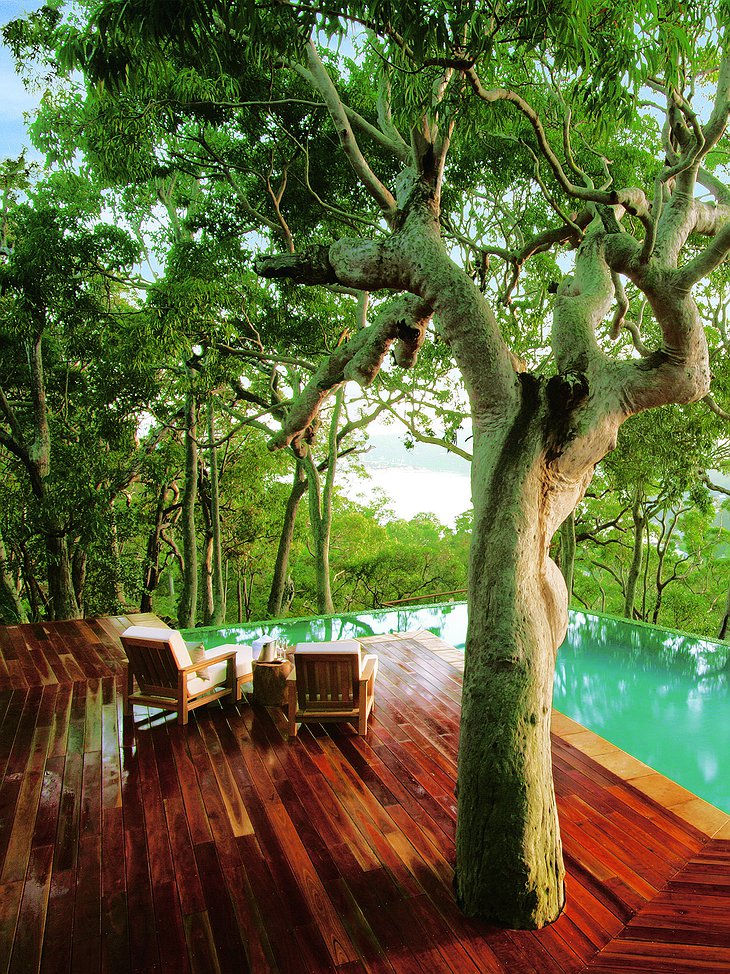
368 671
203 664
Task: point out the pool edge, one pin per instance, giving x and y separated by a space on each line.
711 821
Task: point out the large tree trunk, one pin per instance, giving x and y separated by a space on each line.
509 855
536 444
281 567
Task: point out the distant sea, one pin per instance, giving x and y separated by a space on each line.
425 479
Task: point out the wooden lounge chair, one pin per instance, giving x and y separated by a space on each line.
331 682
168 678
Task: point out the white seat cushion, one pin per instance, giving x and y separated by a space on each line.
217 672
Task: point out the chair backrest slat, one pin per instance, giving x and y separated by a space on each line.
153 665
327 681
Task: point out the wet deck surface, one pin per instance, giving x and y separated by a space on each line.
139 845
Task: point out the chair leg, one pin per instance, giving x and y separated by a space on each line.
291 706
362 723
128 690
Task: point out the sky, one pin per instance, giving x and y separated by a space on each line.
14 99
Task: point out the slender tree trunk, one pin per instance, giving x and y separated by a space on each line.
152 562
36 596
508 846
724 631
206 562
187 606
206 581
120 595
281 566
79 563
320 511
320 539
567 552
9 595
218 613
239 597
639 519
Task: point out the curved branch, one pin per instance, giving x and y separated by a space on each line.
709 401
706 262
432 440
403 322
382 196
632 199
622 306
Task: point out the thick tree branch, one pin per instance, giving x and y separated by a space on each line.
632 199
706 262
403 322
714 487
582 303
398 147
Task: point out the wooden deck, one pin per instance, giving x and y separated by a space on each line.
222 847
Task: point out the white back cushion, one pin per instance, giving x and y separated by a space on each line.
346 647
157 635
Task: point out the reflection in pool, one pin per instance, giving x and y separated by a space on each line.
656 694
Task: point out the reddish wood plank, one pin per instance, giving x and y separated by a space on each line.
28 942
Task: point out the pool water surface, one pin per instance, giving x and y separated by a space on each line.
659 695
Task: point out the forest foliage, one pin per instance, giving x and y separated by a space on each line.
144 365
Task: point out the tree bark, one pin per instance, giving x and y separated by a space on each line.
120 595
286 538
639 519
61 594
724 630
320 509
152 561
79 562
508 848
218 613
9 595
320 532
187 606
567 552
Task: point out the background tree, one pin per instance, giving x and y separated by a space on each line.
63 404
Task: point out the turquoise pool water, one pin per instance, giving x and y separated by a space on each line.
656 694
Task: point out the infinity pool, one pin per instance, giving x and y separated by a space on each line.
656 694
